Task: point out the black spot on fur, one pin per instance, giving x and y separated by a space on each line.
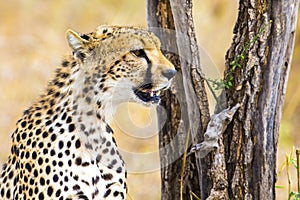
80 55
71 127
84 36
65 63
108 129
107 176
107 193
78 161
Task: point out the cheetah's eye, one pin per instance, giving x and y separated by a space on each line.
139 53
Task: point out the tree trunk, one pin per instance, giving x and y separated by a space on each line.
186 103
259 86
257 67
171 144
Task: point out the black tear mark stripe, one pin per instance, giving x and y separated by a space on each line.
148 75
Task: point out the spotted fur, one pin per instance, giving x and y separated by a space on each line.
63 146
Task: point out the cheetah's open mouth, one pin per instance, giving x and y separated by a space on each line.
147 93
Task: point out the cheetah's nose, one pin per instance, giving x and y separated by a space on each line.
169 73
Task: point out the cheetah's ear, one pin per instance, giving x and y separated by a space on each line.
75 41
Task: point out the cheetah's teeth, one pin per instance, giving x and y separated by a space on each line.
158 92
151 93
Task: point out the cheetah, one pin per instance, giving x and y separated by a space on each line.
63 146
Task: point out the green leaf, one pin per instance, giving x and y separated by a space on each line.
294 163
233 62
296 194
291 195
230 78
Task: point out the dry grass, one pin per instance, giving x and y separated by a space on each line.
32 42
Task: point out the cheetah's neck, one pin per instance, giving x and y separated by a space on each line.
91 114
97 137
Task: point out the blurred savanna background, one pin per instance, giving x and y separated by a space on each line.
32 43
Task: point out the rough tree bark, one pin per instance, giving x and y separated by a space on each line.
160 21
259 86
244 165
186 103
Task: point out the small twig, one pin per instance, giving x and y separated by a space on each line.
129 197
192 194
211 89
287 160
227 81
298 168
183 163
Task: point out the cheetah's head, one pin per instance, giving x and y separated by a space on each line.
124 62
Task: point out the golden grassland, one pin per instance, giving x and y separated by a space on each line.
32 42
